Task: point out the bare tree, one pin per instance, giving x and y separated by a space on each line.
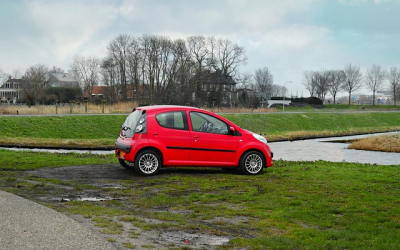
278 90
3 76
229 57
35 80
134 72
317 82
263 80
309 82
226 57
353 80
199 54
178 89
55 69
198 51
374 79
337 80
322 81
394 81
109 73
86 71
245 82
118 49
16 74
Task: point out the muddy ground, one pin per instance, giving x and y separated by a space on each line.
108 181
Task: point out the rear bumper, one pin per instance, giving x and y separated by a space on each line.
123 147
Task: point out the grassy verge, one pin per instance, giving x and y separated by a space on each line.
102 130
294 205
304 125
385 143
27 160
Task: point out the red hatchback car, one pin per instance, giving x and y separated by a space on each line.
153 137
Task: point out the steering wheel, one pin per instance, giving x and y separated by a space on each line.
203 127
207 127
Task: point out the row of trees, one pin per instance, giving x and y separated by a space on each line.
319 83
165 70
157 69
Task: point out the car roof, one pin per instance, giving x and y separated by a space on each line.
165 107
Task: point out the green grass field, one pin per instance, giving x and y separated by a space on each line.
102 130
293 205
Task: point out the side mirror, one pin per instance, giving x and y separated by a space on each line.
232 131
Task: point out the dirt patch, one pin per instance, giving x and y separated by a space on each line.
58 187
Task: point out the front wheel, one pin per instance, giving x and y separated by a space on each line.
147 163
252 163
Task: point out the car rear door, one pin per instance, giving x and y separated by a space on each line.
170 132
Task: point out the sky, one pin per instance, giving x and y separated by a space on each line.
286 36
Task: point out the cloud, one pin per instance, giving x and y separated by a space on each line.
352 2
127 9
65 26
381 1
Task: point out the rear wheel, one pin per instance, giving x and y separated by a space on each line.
252 163
126 164
147 163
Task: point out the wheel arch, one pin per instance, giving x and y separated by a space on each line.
158 151
251 149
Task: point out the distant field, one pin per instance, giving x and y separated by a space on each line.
102 130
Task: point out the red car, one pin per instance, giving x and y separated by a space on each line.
153 137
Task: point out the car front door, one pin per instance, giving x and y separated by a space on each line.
211 142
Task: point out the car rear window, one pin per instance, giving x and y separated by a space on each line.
128 128
173 120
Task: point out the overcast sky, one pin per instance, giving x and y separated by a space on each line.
286 36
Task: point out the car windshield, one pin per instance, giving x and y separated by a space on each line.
128 128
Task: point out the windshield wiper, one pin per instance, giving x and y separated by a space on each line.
125 128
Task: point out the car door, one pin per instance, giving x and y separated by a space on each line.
211 142
170 132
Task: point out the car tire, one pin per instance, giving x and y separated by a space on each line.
252 163
126 164
147 163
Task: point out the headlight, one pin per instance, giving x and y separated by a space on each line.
260 138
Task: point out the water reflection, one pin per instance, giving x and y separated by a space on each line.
325 149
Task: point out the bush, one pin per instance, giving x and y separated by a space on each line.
308 100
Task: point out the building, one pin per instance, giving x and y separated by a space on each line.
10 91
61 80
214 88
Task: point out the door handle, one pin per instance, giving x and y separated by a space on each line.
155 133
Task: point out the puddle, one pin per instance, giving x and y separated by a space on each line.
91 199
324 149
196 240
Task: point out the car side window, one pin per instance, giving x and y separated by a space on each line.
173 120
209 124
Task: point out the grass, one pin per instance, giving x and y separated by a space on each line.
26 160
304 125
293 205
385 143
102 130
